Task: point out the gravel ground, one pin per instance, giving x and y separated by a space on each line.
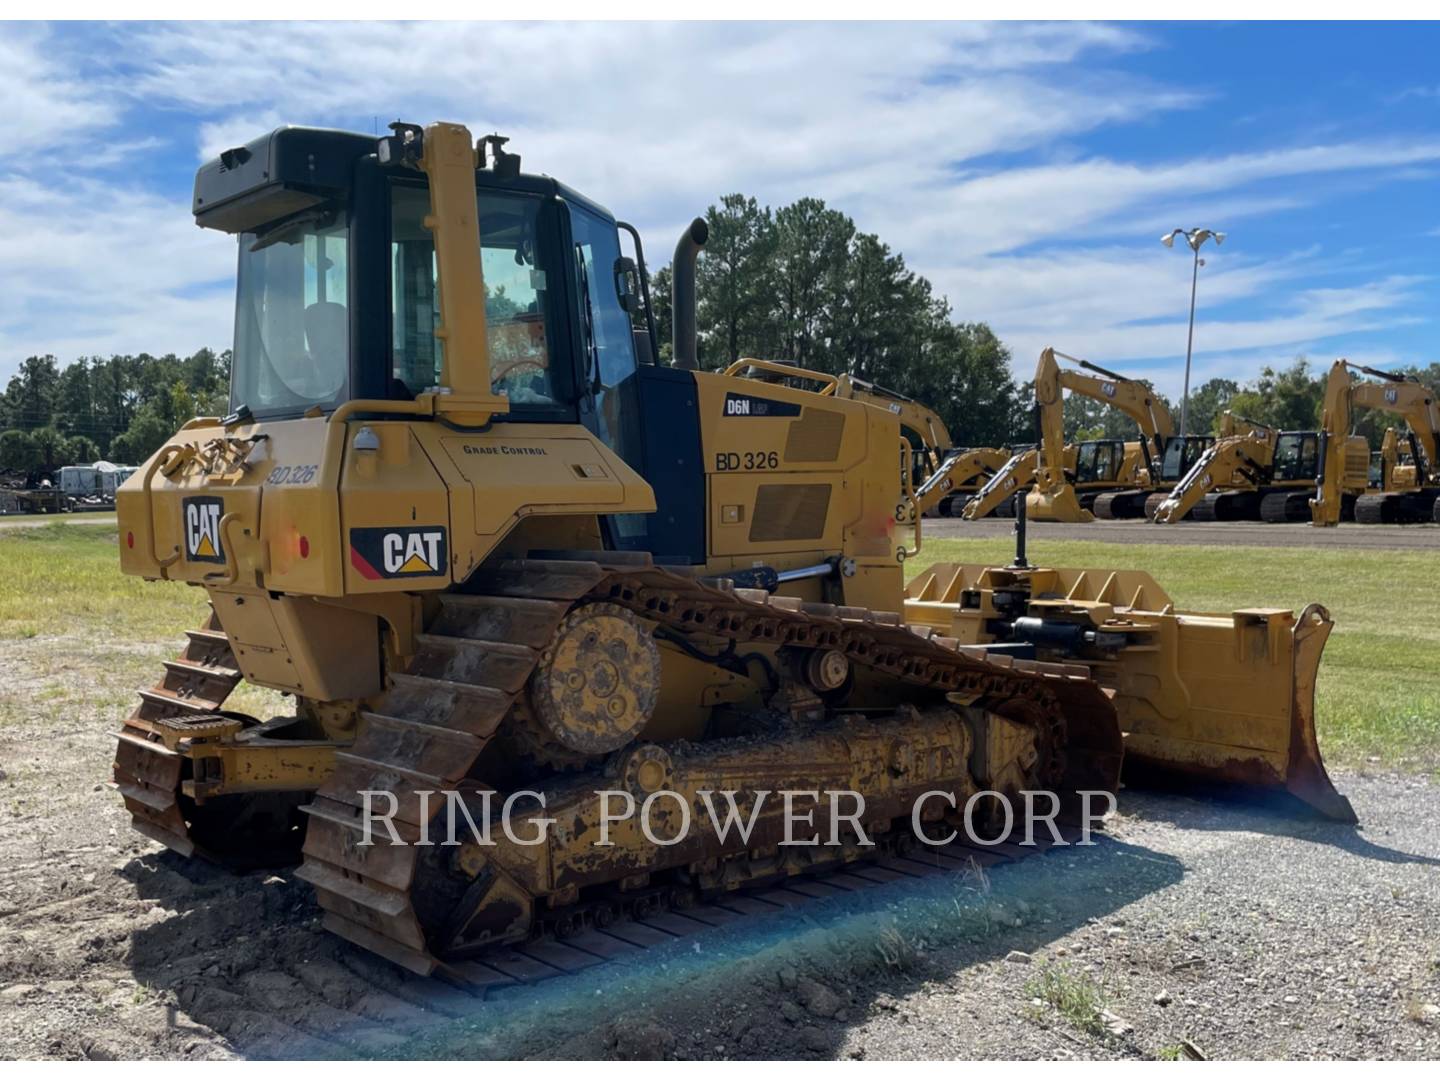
1249 931
1255 534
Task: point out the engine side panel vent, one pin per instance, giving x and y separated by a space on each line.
789 512
815 436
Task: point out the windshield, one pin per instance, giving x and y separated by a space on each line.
1098 462
292 323
516 295
1296 457
1181 454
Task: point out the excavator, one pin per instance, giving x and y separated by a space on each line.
495 553
1104 478
1401 395
1396 465
962 475
1258 473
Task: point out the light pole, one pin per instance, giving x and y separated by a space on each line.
1195 238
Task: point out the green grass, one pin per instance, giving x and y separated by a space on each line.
1378 697
64 580
1073 994
80 636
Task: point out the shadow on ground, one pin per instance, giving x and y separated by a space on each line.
245 956
1273 813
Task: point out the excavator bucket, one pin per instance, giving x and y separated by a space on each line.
1062 504
1221 698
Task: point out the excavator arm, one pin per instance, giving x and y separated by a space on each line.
956 471
1013 475
1235 461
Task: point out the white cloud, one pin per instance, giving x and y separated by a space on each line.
146 279
912 129
36 87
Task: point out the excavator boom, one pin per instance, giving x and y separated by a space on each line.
1054 497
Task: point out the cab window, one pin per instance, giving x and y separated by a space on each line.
607 346
517 297
607 354
292 316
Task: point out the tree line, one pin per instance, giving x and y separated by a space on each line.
801 284
120 408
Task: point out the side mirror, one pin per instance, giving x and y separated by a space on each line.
627 284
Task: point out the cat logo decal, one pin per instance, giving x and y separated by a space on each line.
416 551
202 514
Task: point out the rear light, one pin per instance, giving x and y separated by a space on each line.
304 547
130 539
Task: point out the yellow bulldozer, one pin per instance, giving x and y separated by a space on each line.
1414 500
498 556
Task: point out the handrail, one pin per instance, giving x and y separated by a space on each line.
231 573
156 463
907 466
424 405
789 371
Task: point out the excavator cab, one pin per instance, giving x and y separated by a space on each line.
1098 461
1297 456
1181 454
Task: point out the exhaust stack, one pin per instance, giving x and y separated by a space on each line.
682 294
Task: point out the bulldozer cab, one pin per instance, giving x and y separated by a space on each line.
1297 456
338 300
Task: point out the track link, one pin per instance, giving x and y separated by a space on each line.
148 769
471 668
1279 507
1118 505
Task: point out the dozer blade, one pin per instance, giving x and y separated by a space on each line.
1220 698
1257 731
1058 505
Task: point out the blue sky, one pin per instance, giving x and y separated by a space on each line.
1027 169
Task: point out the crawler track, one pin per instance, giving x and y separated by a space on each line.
472 666
147 772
